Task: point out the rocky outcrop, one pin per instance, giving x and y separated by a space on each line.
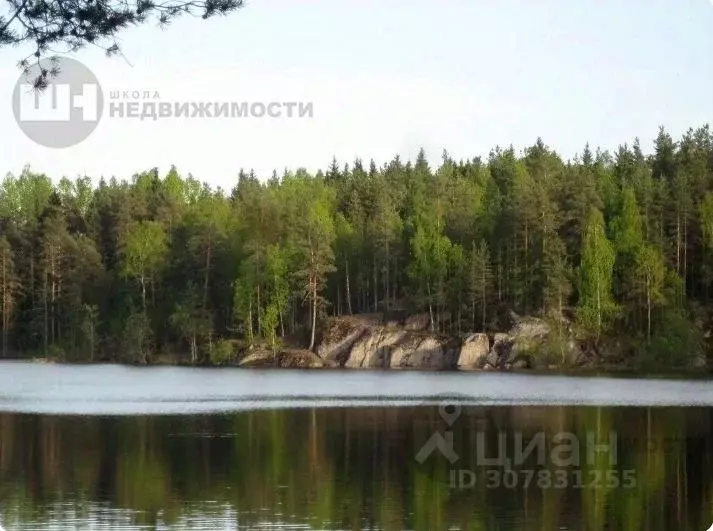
529 328
373 349
341 334
300 359
474 352
292 359
420 351
500 352
368 342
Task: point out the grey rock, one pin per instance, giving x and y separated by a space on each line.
370 350
339 348
420 352
529 328
474 352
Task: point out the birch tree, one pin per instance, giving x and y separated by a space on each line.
596 304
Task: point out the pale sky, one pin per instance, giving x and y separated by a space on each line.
390 76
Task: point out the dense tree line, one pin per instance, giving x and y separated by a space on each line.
621 242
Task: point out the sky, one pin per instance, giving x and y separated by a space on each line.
389 77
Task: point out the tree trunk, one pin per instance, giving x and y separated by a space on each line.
678 242
259 316
599 309
500 276
376 287
207 271
143 293
386 291
349 293
648 306
4 307
250 322
527 273
52 298
46 313
396 278
459 315
430 305
472 310
559 325
314 313
153 291
685 256
544 254
483 296
91 341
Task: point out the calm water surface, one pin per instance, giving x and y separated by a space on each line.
117 448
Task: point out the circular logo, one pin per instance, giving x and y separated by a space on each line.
66 111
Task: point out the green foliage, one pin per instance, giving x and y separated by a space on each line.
9 290
144 248
551 352
270 319
243 289
650 274
192 322
144 251
88 329
627 226
56 353
137 339
431 250
675 344
479 282
596 305
223 352
706 213
166 263
558 278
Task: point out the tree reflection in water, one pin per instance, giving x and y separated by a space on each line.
348 468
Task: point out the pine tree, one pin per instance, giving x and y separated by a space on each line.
314 239
9 290
479 283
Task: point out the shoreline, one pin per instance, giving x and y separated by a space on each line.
696 374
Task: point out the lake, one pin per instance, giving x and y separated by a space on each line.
105 447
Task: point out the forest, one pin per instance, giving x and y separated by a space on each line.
127 270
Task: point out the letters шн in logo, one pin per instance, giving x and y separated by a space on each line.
64 113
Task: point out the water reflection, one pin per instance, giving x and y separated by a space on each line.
346 469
